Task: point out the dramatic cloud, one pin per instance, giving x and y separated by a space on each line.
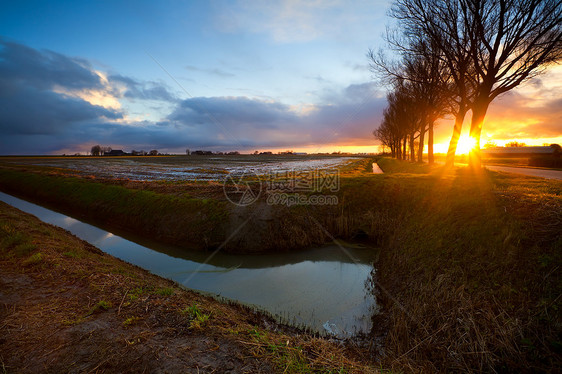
46 109
29 80
134 89
523 114
245 122
29 111
44 70
234 111
52 102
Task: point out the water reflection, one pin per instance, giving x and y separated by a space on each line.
324 289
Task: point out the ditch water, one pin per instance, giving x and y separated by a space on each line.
328 289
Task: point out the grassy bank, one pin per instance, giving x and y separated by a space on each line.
469 264
68 307
171 218
471 271
189 214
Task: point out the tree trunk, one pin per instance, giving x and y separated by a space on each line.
412 148
479 110
430 158
459 119
404 154
420 146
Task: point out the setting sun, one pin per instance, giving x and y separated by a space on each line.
466 143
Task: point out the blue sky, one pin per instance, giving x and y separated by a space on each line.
220 75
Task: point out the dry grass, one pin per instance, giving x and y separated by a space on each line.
469 270
473 275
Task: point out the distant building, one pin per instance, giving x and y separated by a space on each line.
201 153
517 151
115 152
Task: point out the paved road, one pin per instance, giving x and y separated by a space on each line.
542 173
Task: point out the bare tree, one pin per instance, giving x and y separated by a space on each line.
384 134
96 150
439 25
489 46
402 122
422 73
511 41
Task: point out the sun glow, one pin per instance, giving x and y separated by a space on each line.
466 143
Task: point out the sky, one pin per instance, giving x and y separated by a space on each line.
215 75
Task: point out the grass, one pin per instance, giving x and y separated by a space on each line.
179 220
131 321
468 263
13 239
34 259
470 268
168 291
100 306
198 318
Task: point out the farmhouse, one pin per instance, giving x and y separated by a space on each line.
115 152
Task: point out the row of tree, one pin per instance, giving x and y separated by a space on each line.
457 56
98 150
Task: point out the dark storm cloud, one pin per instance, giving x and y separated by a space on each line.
232 112
29 104
255 123
35 119
356 111
29 111
22 65
143 90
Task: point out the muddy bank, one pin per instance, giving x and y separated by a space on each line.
68 307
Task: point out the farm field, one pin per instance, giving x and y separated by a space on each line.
181 168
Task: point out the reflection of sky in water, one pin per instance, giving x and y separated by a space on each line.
323 295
